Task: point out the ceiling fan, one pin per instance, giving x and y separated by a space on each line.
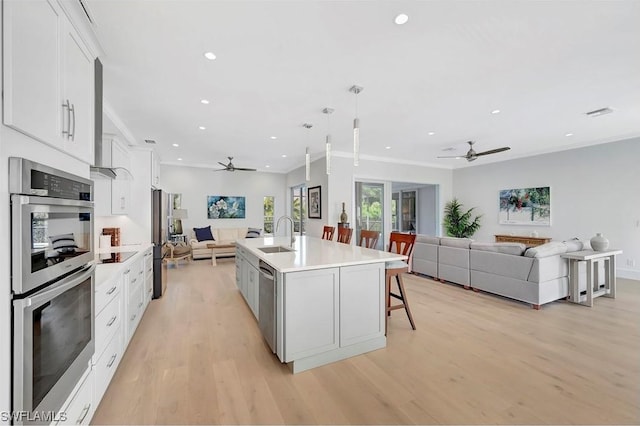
471 155
231 168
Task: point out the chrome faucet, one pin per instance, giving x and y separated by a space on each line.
293 237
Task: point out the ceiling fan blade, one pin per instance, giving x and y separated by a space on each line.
493 151
244 169
223 165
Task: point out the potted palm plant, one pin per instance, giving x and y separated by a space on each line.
458 223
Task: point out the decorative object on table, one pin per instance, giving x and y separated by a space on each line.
343 216
115 235
178 214
472 155
525 206
225 207
457 223
231 168
599 242
314 202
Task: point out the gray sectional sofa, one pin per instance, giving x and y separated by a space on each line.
537 275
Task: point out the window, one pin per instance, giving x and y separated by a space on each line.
299 208
268 214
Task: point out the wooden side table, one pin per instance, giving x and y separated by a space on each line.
527 241
593 258
213 248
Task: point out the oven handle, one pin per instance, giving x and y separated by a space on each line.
60 287
49 201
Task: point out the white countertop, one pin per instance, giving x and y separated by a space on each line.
104 271
314 253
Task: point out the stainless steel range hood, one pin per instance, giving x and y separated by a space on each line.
102 167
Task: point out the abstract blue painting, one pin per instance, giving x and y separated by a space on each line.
224 207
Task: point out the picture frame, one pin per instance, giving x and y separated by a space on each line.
525 206
314 202
225 207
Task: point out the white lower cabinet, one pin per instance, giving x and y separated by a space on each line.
247 278
311 312
106 364
80 408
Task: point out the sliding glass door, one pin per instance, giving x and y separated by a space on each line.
370 209
299 209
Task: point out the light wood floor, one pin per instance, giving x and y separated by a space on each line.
198 358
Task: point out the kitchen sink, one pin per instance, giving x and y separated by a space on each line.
275 249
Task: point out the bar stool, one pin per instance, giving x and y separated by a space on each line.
344 235
370 238
327 232
401 244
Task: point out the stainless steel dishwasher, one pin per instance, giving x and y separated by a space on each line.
267 304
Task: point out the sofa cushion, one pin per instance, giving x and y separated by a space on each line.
427 239
253 232
203 234
549 249
504 265
455 242
573 245
506 248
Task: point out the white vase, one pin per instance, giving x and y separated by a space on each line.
599 242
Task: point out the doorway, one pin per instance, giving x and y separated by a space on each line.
299 208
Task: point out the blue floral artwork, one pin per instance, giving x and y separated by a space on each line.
223 207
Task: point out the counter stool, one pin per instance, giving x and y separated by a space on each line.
369 238
344 235
327 232
401 244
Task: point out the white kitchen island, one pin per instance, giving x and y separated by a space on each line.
329 297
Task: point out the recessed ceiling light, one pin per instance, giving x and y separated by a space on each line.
274 137
387 147
179 159
431 133
495 111
210 56
176 145
284 155
569 134
267 166
401 19
202 128
204 101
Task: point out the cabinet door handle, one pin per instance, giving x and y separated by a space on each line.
122 203
111 290
66 107
112 320
140 305
112 360
133 317
133 280
72 111
83 414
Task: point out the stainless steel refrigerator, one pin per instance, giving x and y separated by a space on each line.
159 220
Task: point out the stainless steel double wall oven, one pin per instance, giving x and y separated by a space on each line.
52 280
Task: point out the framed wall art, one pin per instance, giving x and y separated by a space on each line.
225 207
314 202
525 206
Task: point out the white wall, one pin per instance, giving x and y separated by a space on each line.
593 189
428 213
318 178
195 184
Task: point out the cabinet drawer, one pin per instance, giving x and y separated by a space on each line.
106 292
107 322
80 409
134 311
106 365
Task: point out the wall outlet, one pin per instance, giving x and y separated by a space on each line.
631 262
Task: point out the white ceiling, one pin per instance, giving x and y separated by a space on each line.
543 64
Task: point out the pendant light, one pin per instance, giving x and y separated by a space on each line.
356 127
307 156
327 144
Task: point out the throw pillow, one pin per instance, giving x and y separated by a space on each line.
545 250
203 234
63 243
573 244
253 232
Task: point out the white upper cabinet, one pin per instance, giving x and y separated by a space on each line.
48 78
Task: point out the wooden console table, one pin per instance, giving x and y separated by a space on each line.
527 241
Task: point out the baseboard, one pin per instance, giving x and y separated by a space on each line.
630 274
